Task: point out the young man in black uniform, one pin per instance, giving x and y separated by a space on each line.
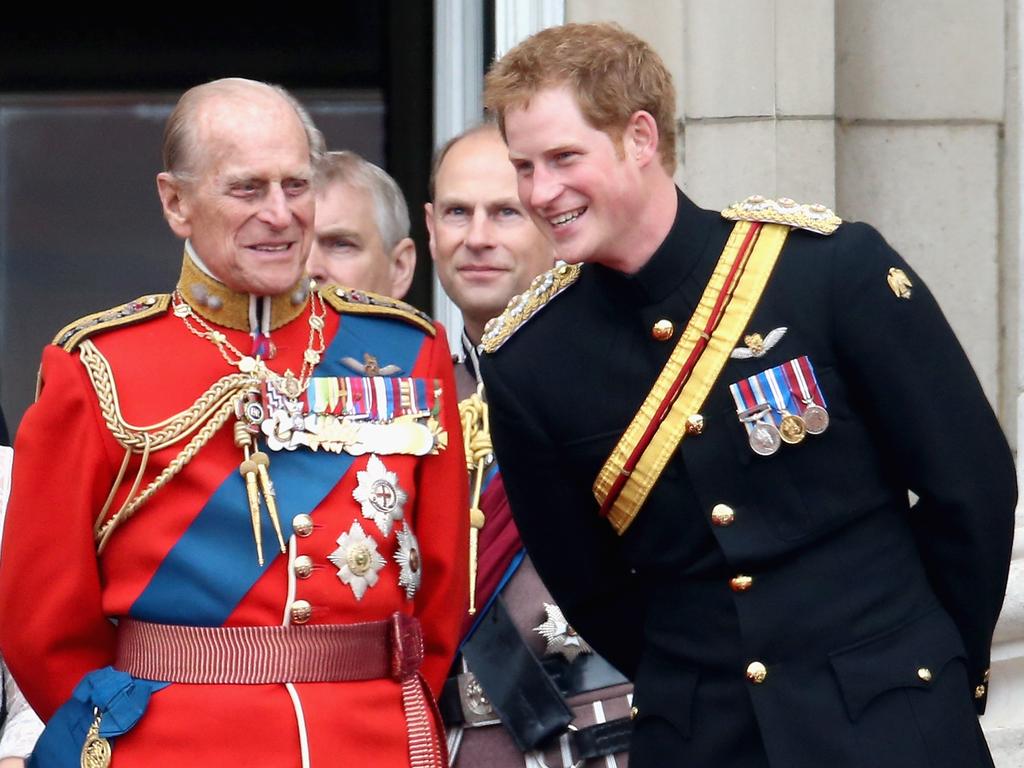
709 427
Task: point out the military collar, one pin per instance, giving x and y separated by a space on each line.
673 261
215 302
470 358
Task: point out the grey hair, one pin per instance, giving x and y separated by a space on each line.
179 146
390 210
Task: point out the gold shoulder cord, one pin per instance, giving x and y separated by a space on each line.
476 434
205 416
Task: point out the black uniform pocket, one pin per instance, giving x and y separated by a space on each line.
914 655
906 691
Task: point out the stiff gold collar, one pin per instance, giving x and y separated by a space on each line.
215 302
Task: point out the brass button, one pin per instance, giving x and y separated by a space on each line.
695 424
303 566
302 525
925 674
979 692
633 712
756 672
722 515
741 583
300 611
663 330
987 673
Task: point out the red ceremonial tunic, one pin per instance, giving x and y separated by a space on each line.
188 555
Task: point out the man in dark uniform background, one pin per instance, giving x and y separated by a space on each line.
746 399
486 249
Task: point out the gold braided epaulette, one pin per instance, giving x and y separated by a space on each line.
368 303
814 218
521 308
142 308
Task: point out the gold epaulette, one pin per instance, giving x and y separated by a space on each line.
814 218
368 303
521 308
142 308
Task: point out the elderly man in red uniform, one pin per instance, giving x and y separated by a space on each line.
261 518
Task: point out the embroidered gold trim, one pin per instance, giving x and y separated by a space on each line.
143 308
217 303
368 303
521 308
814 217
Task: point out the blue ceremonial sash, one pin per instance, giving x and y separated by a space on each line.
213 565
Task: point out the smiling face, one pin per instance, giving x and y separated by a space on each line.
248 205
484 245
581 187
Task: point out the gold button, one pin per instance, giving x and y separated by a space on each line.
979 692
302 525
741 583
695 424
301 610
925 674
756 672
987 673
663 330
303 566
722 515
633 712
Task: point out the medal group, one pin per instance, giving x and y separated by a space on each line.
780 405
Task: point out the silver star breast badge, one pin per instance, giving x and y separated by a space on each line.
380 495
757 345
409 560
561 637
357 559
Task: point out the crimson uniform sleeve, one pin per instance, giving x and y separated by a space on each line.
53 629
939 432
443 531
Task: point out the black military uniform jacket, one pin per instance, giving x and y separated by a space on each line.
872 618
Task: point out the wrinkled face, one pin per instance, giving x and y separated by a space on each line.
485 247
579 185
249 209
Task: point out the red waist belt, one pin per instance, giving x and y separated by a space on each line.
307 653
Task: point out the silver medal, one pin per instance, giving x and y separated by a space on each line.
765 439
815 419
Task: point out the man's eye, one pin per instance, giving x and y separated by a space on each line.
523 169
295 186
341 244
455 211
563 157
244 189
509 213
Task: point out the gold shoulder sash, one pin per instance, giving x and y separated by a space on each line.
658 428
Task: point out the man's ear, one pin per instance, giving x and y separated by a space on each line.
176 207
428 211
640 138
403 266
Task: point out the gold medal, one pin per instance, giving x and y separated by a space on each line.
792 429
96 750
